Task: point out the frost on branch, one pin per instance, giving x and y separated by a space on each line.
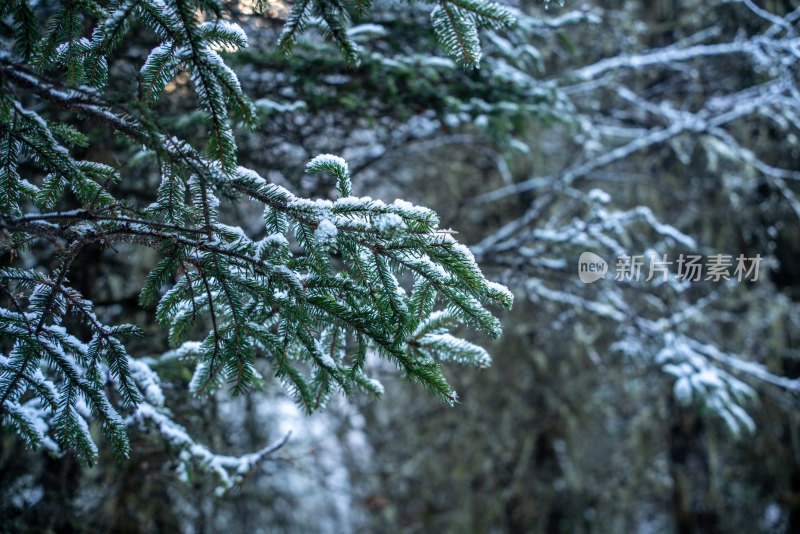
328 282
455 23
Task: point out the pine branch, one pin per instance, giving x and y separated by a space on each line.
293 306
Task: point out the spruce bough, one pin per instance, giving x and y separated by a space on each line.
328 283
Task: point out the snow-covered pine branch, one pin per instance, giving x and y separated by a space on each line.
328 282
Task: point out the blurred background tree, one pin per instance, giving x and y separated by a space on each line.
617 127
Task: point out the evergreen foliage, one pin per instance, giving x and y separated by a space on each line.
327 283
455 23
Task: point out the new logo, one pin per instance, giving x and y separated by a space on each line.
591 267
